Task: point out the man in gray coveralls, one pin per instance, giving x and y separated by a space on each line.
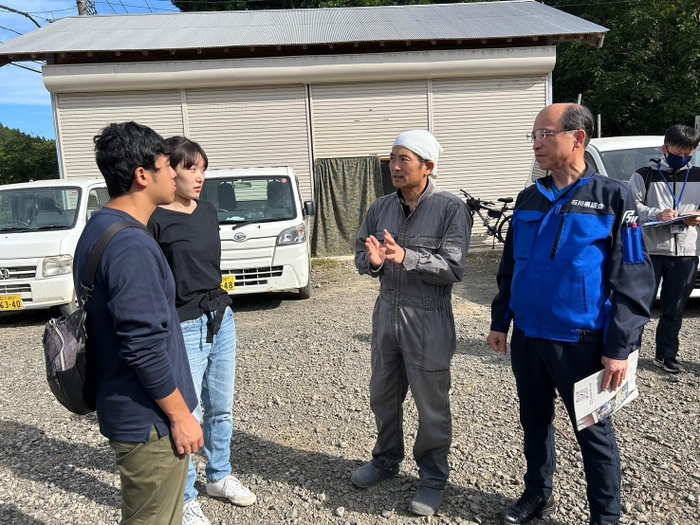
415 240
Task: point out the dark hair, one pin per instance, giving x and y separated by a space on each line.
122 148
576 116
185 151
682 136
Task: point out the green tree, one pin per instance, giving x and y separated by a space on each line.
24 157
646 76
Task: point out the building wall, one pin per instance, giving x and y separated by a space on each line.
480 120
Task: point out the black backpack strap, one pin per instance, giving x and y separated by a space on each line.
88 279
646 173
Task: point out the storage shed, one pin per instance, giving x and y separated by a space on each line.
292 87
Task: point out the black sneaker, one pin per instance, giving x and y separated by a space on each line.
369 475
672 366
658 361
526 509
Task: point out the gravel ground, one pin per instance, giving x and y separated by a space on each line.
303 423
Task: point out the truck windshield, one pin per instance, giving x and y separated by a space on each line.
32 209
622 163
251 199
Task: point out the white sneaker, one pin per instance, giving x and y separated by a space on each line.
193 514
231 488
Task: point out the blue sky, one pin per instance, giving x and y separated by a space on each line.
24 102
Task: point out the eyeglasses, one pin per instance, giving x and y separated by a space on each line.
541 134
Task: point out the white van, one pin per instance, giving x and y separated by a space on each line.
617 157
264 229
40 224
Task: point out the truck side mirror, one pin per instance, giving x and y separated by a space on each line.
309 209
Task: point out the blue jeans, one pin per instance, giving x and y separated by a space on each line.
213 373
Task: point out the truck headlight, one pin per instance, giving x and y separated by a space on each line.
294 235
60 265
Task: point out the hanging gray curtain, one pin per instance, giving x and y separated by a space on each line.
345 188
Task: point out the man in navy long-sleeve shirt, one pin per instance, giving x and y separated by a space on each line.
145 395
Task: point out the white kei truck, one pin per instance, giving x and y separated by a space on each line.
40 224
263 223
264 229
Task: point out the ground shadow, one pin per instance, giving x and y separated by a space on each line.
30 454
363 338
28 317
291 465
261 301
11 514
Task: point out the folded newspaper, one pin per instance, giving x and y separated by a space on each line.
592 405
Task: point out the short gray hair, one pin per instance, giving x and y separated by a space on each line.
576 116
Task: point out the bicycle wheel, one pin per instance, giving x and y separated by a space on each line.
503 228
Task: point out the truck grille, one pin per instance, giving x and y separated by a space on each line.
8 273
255 276
14 288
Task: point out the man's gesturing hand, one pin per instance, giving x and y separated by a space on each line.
394 252
375 252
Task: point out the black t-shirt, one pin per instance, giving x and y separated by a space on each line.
192 246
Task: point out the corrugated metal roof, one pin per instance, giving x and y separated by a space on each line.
201 30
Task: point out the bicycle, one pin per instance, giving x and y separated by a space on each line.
503 220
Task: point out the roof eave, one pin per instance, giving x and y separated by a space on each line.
594 39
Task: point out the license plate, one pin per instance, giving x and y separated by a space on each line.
228 282
11 302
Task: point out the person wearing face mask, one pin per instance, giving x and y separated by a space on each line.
665 189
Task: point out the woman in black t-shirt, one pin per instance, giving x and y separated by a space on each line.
188 233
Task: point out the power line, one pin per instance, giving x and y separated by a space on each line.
123 7
153 8
149 6
111 7
10 29
12 10
52 11
25 67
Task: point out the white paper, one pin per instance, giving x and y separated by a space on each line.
591 405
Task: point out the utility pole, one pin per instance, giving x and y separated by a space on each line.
86 7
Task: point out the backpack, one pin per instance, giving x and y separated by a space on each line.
646 173
70 358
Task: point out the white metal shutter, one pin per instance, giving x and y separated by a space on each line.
364 118
481 124
81 116
254 127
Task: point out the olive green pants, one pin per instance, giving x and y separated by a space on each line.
153 479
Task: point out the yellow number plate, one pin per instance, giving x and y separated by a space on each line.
11 302
228 282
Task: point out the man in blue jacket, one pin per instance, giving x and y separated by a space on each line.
576 282
145 395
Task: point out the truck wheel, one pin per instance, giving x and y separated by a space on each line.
305 292
67 309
